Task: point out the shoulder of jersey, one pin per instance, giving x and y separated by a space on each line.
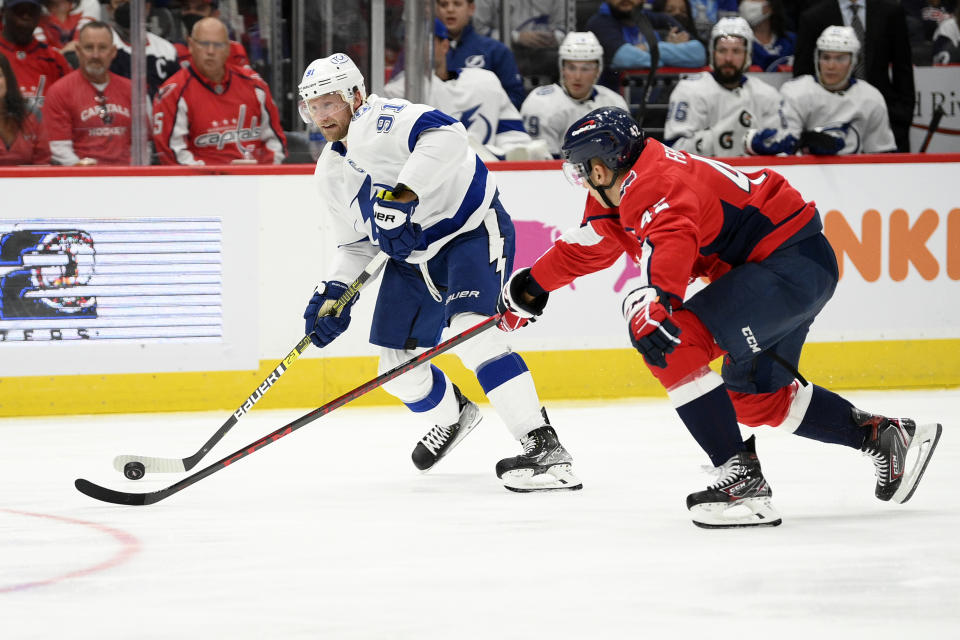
545 90
796 85
479 74
162 47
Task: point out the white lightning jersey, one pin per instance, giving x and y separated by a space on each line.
391 142
476 98
549 111
705 118
858 115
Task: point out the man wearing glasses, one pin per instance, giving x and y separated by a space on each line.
87 113
549 110
213 113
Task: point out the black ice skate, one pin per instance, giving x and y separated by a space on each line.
544 464
890 442
740 498
441 439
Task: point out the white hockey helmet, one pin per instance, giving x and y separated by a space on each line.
838 39
735 27
581 45
326 75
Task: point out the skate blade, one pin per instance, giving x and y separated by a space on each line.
924 441
559 477
749 512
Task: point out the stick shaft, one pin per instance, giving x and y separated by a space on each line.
119 497
155 465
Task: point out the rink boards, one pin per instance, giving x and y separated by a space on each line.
169 289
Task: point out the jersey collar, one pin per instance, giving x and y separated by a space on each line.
220 88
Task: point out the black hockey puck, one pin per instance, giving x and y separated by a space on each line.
134 470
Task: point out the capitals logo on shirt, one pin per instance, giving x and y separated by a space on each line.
231 133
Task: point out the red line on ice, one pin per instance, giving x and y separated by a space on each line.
130 547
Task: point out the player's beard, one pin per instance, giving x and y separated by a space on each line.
727 74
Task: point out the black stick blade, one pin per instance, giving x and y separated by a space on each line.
103 494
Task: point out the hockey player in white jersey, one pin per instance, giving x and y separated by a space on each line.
548 111
402 178
475 97
713 112
836 113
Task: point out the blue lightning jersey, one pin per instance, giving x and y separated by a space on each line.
391 142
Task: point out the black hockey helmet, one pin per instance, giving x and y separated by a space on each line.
607 133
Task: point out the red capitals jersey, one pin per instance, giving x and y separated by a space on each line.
197 122
681 217
97 124
37 66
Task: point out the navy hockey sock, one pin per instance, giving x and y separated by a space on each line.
712 422
829 419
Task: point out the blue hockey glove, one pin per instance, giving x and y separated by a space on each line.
764 143
651 330
322 324
820 143
516 311
397 234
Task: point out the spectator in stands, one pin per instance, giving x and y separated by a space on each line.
191 12
58 27
886 61
549 111
536 29
616 25
773 45
87 114
923 18
22 138
836 113
161 54
707 12
946 41
682 12
213 113
35 64
476 98
714 112
470 49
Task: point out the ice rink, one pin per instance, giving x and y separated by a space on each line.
332 533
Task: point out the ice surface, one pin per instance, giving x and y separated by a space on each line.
332 533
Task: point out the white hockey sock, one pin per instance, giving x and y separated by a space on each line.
517 403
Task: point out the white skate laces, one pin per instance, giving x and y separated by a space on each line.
436 438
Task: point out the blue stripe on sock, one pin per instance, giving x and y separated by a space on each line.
434 397
494 373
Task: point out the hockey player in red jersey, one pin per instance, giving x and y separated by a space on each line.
679 217
212 113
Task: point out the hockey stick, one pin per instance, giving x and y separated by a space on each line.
121 497
938 114
176 465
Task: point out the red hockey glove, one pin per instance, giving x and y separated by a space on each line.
516 312
651 331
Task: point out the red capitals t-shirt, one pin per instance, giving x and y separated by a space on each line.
682 217
198 122
29 147
97 124
37 66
